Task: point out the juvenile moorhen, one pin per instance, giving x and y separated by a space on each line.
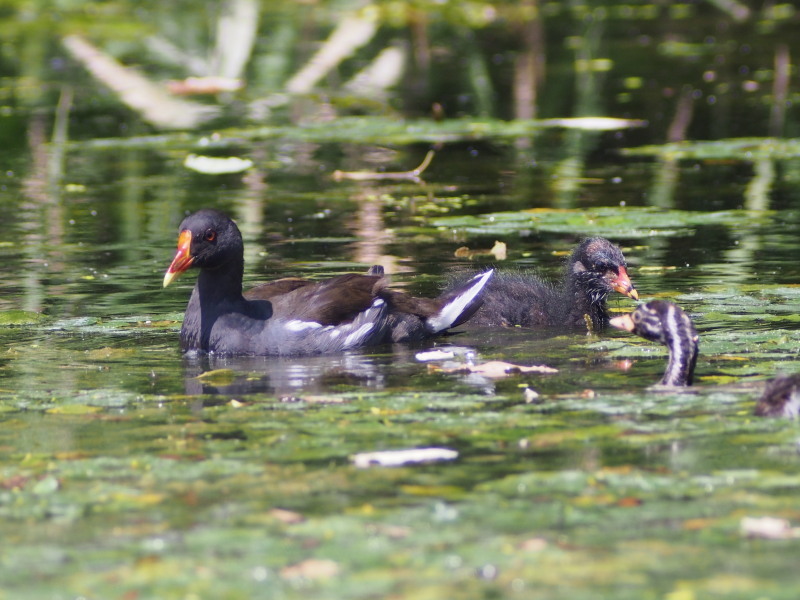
295 316
518 299
781 398
666 323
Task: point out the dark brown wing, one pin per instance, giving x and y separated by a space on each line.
339 299
271 289
330 302
403 303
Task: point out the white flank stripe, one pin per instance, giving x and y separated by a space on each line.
298 325
358 333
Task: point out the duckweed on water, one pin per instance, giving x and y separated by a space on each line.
130 471
617 223
191 508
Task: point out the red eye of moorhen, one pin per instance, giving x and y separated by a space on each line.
210 235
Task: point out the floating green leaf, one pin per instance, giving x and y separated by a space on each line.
743 149
20 317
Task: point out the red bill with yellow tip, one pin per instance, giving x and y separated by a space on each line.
623 285
183 258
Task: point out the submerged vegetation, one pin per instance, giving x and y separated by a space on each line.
416 135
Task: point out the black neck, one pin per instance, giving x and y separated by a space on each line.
587 297
217 291
222 283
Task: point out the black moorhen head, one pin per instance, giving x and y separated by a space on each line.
295 316
518 299
666 323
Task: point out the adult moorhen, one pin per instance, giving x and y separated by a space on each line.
666 323
595 268
295 316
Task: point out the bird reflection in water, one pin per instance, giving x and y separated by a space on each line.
282 376
292 378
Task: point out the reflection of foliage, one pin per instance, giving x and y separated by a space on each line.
469 57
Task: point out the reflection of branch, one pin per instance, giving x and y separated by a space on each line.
351 33
665 182
756 195
736 10
142 95
683 117
413 174
740 257
667 174
780 90
55 162
171 52
530 62
381 74
371 232
236 34
43 212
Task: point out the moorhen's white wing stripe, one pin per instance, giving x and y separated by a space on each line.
359 333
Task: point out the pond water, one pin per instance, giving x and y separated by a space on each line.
130 471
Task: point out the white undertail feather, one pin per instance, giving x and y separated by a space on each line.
359 333
455 308
356 337
298 325
345 336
